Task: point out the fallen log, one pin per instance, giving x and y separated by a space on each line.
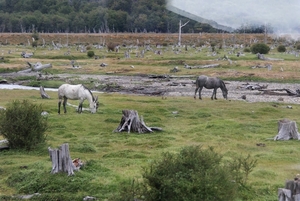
131 122
35 67
39 76
254 86
289 92
26 55
39 66
262 57
158 76
202 66
268 66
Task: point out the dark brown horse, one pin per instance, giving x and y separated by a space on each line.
210 83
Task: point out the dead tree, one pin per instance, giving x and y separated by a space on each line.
201 66
35 67
131 122
61 160
179 31
287 130
43 93
291 191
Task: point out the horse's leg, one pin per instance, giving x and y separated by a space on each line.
59 103
64 104
80 106
196 92
200 93
214 94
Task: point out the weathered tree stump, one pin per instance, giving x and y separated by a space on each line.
61 160
287 130
131 122
291 191
43 93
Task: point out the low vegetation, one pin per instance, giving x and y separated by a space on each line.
260 48
228 135
23 125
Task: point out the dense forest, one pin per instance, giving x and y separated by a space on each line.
92 16
96 16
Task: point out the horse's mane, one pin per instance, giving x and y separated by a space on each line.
89 91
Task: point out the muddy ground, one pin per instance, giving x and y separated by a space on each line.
166 86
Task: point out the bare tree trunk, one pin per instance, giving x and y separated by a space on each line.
61 160
287 130
43 93
179 31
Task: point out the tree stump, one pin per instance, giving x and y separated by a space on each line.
131 122
287 130
61 160
43 93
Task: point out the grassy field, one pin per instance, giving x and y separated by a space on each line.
231 127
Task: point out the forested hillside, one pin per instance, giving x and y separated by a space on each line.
92 16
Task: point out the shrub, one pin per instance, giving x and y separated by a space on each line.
298 47
34 44
247 50
23 125
260 48
90 53
193 174
281 48
35 35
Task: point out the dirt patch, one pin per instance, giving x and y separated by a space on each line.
164 85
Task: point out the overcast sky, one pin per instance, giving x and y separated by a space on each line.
282 15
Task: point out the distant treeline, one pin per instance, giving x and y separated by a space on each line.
93 16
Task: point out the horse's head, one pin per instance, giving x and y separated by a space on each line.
225 92
95 105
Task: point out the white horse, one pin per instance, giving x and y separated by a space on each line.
77 92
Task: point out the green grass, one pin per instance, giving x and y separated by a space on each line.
231 127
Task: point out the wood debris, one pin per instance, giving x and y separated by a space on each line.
254 86
201 66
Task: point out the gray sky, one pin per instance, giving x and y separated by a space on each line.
282 15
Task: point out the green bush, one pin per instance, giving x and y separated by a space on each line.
247 49
281 48
90 53
260 48
193 174
23 125
34 44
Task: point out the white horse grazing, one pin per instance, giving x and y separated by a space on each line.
77 92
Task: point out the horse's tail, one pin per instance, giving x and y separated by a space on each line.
197 82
